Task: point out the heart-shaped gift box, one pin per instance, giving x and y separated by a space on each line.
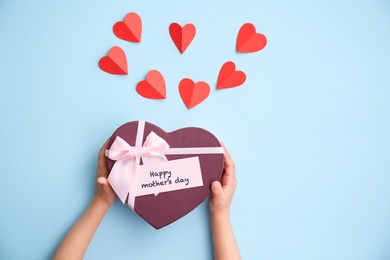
163 176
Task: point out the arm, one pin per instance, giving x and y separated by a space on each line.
225 245
76 241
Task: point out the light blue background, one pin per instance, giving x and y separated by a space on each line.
309 130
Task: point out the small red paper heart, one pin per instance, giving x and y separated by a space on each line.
193 93
248 40
229 77
130 29
182 36
153 87
115 62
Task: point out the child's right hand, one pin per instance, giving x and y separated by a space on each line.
222 191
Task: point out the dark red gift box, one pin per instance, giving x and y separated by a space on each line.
137 146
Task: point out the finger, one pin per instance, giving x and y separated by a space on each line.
102 152
229 175
102 164
216 188
229 163
103 183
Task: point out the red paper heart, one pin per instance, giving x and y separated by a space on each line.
229 77
115 62
130 29
153 87
182 36
167 207
193 93
248 40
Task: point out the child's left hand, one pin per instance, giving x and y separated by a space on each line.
103 190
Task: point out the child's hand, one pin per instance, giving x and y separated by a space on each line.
222 191
76 241
103 190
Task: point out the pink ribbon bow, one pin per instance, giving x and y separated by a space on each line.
123 176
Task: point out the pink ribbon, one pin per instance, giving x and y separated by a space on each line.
123 176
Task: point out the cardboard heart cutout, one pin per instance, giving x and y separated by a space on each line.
167 207
130 29
182 36
229 77
115 62
153 87
193 93
248 40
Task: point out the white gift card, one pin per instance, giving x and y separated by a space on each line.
169 176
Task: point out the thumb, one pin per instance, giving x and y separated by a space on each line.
216 188
103 183
102 180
